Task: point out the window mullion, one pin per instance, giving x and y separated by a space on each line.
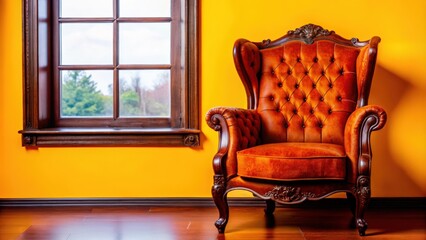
144 19
56 61
116 84
85 20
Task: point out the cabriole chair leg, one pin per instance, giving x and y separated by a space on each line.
220 199
362 196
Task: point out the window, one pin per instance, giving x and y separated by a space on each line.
110 72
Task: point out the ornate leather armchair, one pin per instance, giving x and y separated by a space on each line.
306 131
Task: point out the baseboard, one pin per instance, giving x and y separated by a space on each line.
380 202
159 202
42 202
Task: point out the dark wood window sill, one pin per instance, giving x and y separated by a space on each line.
51 137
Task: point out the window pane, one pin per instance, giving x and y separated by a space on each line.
86 8
86 43
144 93
144 43
86 93
144 8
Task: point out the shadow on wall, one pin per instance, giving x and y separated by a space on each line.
398 149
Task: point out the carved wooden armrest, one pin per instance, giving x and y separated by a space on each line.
238 129
358 129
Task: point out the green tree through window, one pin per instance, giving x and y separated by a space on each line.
81 96
139 100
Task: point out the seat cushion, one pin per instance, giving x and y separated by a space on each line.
293 161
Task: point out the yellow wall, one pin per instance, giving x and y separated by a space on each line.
400 87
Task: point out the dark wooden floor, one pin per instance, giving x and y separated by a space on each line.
175 223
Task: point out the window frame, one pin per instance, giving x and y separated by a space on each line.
39 118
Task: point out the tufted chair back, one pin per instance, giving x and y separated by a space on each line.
306 84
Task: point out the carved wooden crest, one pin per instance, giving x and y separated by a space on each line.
309 32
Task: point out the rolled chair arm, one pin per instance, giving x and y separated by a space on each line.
238 129
358 129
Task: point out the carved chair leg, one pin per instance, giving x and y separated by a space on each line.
270 207
220 199
363 195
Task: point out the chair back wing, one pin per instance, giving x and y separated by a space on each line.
305 84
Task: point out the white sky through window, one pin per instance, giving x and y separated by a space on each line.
139 43
86 8
104 8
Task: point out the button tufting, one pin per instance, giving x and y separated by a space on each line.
314 85
312 111
322 99
289 72
298 59
339 98
323 72
341 71
320 125
332 59
296 85
271 98
288 99
330 111
280 84
305 99
306 72
330 85
295 111
282 59
315 59
303 126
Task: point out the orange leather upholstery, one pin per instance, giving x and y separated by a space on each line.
306 131
293 161
307 92
243 127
